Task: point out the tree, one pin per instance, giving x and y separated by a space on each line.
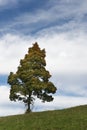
31 79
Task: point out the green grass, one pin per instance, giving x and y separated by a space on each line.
67 119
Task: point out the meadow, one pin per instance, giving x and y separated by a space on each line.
67 119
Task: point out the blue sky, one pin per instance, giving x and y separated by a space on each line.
60 27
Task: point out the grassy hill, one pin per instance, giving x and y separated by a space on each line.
67 119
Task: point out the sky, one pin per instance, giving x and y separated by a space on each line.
59 26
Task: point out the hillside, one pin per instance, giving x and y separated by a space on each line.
67 119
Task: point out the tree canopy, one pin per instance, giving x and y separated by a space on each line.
31 79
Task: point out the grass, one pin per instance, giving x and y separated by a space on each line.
67 119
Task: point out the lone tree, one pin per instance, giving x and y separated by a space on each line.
31 79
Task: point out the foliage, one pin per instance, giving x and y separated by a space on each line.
31 79
68 119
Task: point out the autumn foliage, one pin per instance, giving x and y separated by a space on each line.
31 79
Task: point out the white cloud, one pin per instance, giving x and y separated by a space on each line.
66 52
66 56
69 15
60 102
75 90
6 106
65 45
12 49
65 12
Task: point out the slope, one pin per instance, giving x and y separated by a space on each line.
67 119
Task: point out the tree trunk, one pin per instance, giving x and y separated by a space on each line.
29 108
29 104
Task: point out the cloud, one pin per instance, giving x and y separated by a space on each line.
66 60
69 84
62 10
14 48
66 14
66 52
69 15
60 102
60 27
6 106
